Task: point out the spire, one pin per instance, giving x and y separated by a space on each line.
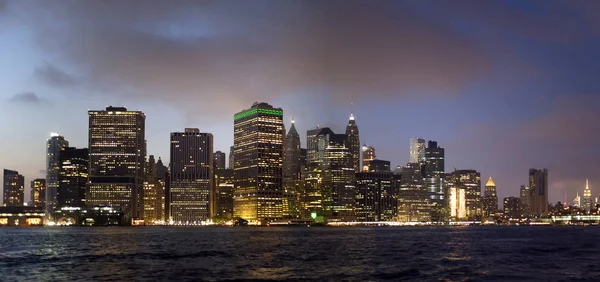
490 182
293 132
587 184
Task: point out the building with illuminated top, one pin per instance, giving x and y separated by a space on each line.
587 197
38 192
192 176
117 154
368 155
258 163
490 199
14 189
354 139
54 146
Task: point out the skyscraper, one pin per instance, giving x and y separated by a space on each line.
490 199
224 198
54 146
192 177
414 201
14 189
376 196
525 196
538 185
38 192
154 192
379 166
512 208
258 156
231 160
292 174
117 151
368 155
354 138
434 177
417 150
587 197
219 161
72 177
470 181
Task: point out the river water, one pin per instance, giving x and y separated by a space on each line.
300 253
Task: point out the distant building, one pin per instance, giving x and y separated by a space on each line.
231 159
354 138
376 197
414 201
379 166
490 199
54 146
292 174
538 184
434 177
457 202
72 177
14 189
225 188
368 155
512 207
191 176
587 197
417 150
154 193
470 181
117 150
525 195
38 192
219 161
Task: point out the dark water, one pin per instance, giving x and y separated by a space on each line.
279 253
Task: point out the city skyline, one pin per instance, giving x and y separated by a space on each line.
523 112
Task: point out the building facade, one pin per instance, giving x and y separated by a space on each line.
368 155
154 192
417 150
192 176
414 200
525 196
219 160
376 197
293 178
117 156
512 208
14 189
354 139
538 185
490 199
224 198
54 146
72 177
434 166
38 193
258 159
470 181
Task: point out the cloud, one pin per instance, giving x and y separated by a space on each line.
27 98
54 76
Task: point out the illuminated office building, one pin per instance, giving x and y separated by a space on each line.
538 185
470 181
414 201
368 155
154 192
434 177
457 202
258 169
14 189
525 196
224 198
219 160
378 166
292 174
490 199
72 177
376 197
38 192
417 150
117 151
192 177
330 177
354 138
577 200
54 146
587 197
512 208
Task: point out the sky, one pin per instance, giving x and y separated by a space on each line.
503 86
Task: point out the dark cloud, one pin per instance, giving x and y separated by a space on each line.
54 76
27 98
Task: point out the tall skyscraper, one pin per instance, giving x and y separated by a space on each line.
231 159
72 177
117 151
292 174
14 189
330 177
224 198
470 181
414 201
258 156
434 177
538 185
192 176
587 197
577 200
525 196
38 192
417 150
368 155
54 146
354 138
154 191
376 196
490 199
219 160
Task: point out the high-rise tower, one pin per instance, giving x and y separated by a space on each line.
38 192
587 197
14 189
417 150
219 161
117 152
368 155
469 181
292 174
490 199
354 138
434 177
192 176
72 177
258 156
54 146
538 185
